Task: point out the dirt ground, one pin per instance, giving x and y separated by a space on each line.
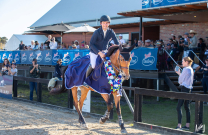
21 118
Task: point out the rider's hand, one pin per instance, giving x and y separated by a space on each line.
102 55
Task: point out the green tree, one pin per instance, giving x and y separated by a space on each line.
3 40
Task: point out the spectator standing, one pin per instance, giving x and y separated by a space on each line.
186 39
135 42
202 47
13 70
34 72
168 48
140 43
174 54
6 67
174 39
161 55
186 81
192 44
47 42
21 45
58 72
205 76
74 47
42 47
53 44
121 40
181 44
32 45
76 42
148 43
36 45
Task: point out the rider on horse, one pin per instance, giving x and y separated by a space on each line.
100 40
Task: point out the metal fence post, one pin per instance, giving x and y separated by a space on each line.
138 107
14 88
39 92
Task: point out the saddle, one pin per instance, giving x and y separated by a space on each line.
96 76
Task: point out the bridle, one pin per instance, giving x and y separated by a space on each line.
119 60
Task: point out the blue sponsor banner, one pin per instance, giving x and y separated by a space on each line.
67 57
159 3
6 83
17 56
144 59
56 55
27 57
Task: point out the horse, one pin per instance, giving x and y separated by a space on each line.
120 59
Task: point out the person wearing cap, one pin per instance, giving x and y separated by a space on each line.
58 72
186 39
100 41
168 48
13 70
181 44
205 76
76 42
21 45
34 72
121 40
148 43
192 44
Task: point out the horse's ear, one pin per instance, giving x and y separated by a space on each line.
120 48
131 48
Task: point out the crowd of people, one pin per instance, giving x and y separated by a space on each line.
51 43
176 49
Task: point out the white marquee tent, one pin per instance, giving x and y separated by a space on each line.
14 41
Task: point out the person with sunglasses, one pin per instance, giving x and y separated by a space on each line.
58 72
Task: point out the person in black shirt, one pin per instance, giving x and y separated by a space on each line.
57 72
21 45
201 49
34 72
48 41
205 76
174 54
135 42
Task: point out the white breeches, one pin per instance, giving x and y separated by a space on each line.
93 58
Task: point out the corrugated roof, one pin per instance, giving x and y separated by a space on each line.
75 11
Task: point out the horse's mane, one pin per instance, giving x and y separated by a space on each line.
112 50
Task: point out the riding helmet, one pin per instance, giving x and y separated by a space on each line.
105 18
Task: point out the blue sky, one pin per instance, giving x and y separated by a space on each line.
17 15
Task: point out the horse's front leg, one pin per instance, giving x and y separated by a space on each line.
106 116
118 110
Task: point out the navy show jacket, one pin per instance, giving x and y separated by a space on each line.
99 43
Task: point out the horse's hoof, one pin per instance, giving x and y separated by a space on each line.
100 121
84 126
123 131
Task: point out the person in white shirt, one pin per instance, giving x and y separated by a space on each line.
77 44
53 44
13 70
121 40
32 45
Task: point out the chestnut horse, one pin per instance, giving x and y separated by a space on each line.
120 59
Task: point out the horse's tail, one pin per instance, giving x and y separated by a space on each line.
63 89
